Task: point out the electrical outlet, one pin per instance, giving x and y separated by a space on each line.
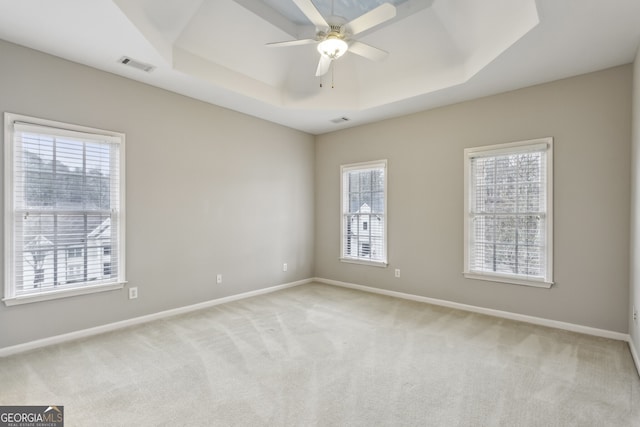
635 314
397 272
133 293
219 279
285 267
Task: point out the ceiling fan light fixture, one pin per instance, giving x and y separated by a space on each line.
333 47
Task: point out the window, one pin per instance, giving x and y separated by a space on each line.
74 273
365 249
64 197
364 206
74 252
508 213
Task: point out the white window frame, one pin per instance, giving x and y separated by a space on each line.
10 295
344 207
539 144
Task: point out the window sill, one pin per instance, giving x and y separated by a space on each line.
50 295
509 279
381 264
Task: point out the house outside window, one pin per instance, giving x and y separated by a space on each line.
364 231
64 194
508 228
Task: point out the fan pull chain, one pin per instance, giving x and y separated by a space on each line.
332 76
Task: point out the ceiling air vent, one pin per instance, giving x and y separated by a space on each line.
340 120
136 64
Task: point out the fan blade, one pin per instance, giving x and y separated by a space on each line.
367 51
310 11
374 17
323 65
291 43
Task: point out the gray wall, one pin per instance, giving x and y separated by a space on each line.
634 300
208 191
590 118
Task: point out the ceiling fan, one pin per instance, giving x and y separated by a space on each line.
335 38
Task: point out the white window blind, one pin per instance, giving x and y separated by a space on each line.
364 212
508 204
64 189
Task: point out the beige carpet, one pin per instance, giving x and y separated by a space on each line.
317 355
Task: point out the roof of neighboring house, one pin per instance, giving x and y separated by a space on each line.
39 242
365 208
39 230
101 230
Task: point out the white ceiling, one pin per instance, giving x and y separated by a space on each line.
440 51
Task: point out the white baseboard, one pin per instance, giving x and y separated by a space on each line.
19 348
634 354
488 311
